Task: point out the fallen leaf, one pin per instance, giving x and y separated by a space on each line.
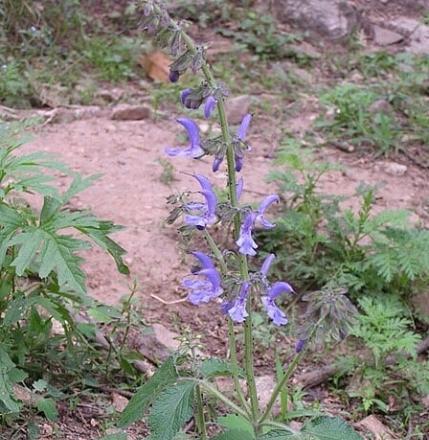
156 65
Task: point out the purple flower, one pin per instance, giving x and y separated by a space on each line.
184 94
194 150
265 204
236 308
209 106
205 283
278 316
245 241
202 214
239 187
267 264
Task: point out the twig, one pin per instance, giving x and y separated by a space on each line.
167 303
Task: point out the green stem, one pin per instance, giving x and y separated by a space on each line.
216 393
200 420
232 343
244 271
286 377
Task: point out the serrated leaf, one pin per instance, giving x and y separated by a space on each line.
216 367
279 434
48 407
171 410
164 376
234 422
7 374
234 434
330 428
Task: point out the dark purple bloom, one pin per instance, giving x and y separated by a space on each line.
201 215
278 316
194 149
174 76
184 94
300 344
236 308
238 163
209 106
205 283
216 163
245 241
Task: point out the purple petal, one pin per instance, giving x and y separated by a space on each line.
267 264
209 106
205 261
237 311
213 277
216 163
242 130
239 188
195 220
184 94
174 76
211 200
204 182
193 131
278 288
267 202
245 241
278 316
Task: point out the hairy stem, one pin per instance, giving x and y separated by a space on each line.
244 271
286 377
200 420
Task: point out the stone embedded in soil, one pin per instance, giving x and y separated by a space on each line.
375 427
385 37
119 402
237 107
391 168
416 32
333 18
125 112
380 106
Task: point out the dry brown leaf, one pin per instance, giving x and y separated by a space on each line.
373 425
156 65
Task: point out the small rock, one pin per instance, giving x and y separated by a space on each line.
393 168
384 37
110 95
237 107
119 402
131 112
265 386
334 18
373 425
420 302
415 31
379 106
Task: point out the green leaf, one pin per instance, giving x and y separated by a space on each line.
115 436
164 376
48 407
171 410
234 434
234 422
7 399
279 434
330 428
216 367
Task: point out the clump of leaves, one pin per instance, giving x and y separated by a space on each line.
383 327
41 276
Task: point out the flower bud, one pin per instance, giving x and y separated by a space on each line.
300 345
174 76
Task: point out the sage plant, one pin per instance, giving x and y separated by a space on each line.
220 277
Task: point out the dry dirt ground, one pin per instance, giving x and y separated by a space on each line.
131 193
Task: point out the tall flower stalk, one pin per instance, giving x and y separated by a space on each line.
236 291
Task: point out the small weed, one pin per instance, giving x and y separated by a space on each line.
167 176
